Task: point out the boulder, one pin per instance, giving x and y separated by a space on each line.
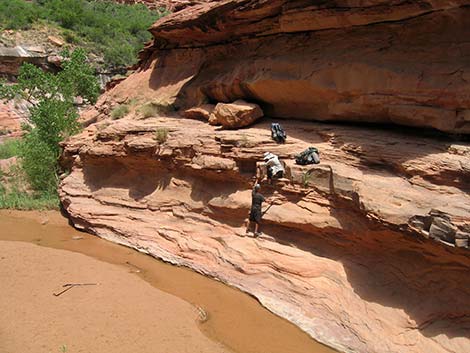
12 115
337 257
202 112
330 240
235 115
35 48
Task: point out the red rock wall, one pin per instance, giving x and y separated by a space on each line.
341 256
385 62
360 251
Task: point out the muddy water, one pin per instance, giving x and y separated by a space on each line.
233 318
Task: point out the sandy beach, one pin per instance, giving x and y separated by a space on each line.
121 313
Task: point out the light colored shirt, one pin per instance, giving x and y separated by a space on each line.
274 163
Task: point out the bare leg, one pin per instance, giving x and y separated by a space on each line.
261 173
247 224
256 229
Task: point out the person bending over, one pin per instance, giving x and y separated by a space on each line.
274 167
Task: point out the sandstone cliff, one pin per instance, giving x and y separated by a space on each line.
361 251
375 61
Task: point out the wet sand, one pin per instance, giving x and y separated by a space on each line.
234 319
121 313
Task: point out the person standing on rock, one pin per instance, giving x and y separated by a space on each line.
256 204
255 213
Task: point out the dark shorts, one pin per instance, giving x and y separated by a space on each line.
278 175
255 215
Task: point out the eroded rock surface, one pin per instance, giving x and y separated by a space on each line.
373 61
342 254
201 113
367 251
11 59
12 115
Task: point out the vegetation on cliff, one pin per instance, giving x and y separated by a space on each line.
115 31
9 148
53 117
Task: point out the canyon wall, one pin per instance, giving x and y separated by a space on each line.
367 251
373 61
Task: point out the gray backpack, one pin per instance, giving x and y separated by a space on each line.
310 156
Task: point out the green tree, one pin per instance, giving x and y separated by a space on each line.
53 115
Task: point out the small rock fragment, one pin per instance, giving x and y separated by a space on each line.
462 239
56 41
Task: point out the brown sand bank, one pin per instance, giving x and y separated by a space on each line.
123 299
120 314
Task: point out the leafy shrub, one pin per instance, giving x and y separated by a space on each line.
19 200
39 160
120 111
161 135
164 107
18 14
70 37
133 101
9 148
306 177
148 110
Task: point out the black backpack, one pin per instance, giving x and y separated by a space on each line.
277 133
309 156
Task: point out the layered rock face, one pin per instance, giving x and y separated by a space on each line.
11 60
338 257
39 46
373 61
367 250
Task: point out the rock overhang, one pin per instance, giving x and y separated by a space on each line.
395 62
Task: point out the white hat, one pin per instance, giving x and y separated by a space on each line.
267 155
